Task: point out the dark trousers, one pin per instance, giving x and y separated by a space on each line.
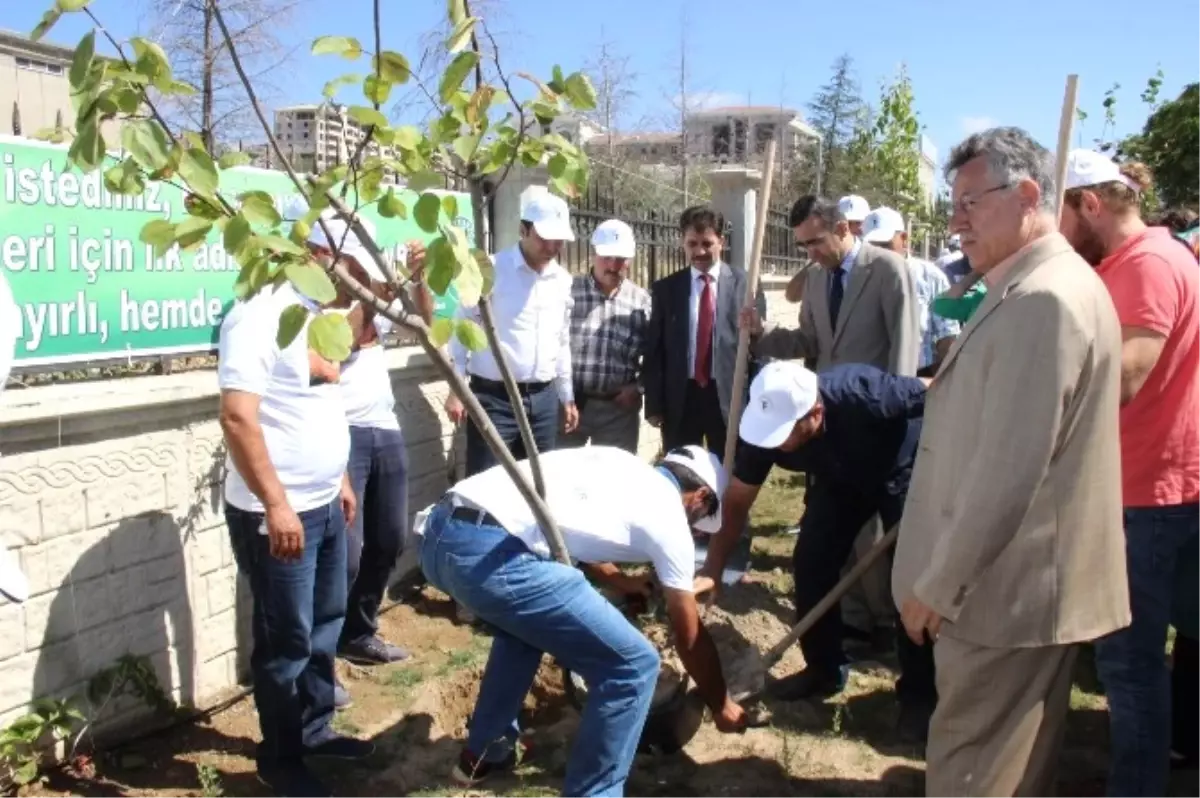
541 406
298 611
833 517
702 422
1185 698
1131 662
378 470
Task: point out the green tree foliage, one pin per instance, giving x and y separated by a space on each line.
835 111
1170 145
885 154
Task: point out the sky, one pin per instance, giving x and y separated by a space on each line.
973 65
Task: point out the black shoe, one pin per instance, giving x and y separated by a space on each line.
338 747
471 770
809 683
292 779
912 725
372 651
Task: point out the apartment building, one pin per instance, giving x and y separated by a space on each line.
739 134
318 137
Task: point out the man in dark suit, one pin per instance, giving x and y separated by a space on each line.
691 344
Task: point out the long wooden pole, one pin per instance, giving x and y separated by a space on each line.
742 366
1065 122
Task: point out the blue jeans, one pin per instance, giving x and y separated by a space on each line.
540 406
1132 663
378 470
538 605
298 612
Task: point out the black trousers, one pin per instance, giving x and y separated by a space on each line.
833 516
702 424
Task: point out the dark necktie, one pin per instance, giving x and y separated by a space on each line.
705 319
836 291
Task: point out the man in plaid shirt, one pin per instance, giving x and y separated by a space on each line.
608 329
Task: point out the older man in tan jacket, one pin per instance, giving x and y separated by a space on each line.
1011 551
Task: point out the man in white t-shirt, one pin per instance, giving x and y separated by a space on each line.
378 466
482 545
287 500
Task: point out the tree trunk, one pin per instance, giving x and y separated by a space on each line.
206 89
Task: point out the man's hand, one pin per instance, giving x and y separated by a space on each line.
706 588
349 500
570 417
285 532
654 421
922 623
322 371
749 320
455 409
628 397
633 585
731 719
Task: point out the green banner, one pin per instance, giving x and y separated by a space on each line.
88 289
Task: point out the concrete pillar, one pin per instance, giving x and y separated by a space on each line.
506 205
735 195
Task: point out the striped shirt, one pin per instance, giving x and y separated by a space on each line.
607 335
930 282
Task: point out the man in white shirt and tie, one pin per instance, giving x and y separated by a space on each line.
531 304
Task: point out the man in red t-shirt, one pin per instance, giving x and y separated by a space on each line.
1154 284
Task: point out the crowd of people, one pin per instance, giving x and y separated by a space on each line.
1024 411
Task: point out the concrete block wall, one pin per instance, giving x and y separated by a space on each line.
110 497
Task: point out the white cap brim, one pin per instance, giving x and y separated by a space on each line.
879 236
758 430
612 250
554 231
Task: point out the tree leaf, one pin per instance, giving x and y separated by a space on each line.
198 170
470 335
233 158
280 244
391 206
441 267
151 60
159 234
237 233
346 46
580 92
440 331
427 211
460 37
392 67
466 146
125 178
192 231
406 137
422 181
329 334
310 280
456 72
376 90
259 208
557 166
331 88
291 322
145 140
26 774
81 61
456 10
487 269
469 282
71 5
367 116
176 87
87 150
450 206
47 22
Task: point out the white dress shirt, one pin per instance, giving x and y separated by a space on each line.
646 524
366 384
533 325
694 310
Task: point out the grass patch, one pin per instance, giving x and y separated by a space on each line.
404 678
343 724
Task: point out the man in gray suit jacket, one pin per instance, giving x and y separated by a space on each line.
860 307
691 343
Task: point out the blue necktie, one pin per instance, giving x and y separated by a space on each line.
836 291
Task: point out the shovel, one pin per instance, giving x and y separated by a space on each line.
750 669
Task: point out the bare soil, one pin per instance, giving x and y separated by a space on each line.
417 713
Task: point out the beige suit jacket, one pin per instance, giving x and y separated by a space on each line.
1013 529
878 324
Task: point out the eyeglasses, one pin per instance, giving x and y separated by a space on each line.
966 205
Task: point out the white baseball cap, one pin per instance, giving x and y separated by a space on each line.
547 213
1087 168
955 240
707 468
346 241
614 239
783 393
854 208
881 225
